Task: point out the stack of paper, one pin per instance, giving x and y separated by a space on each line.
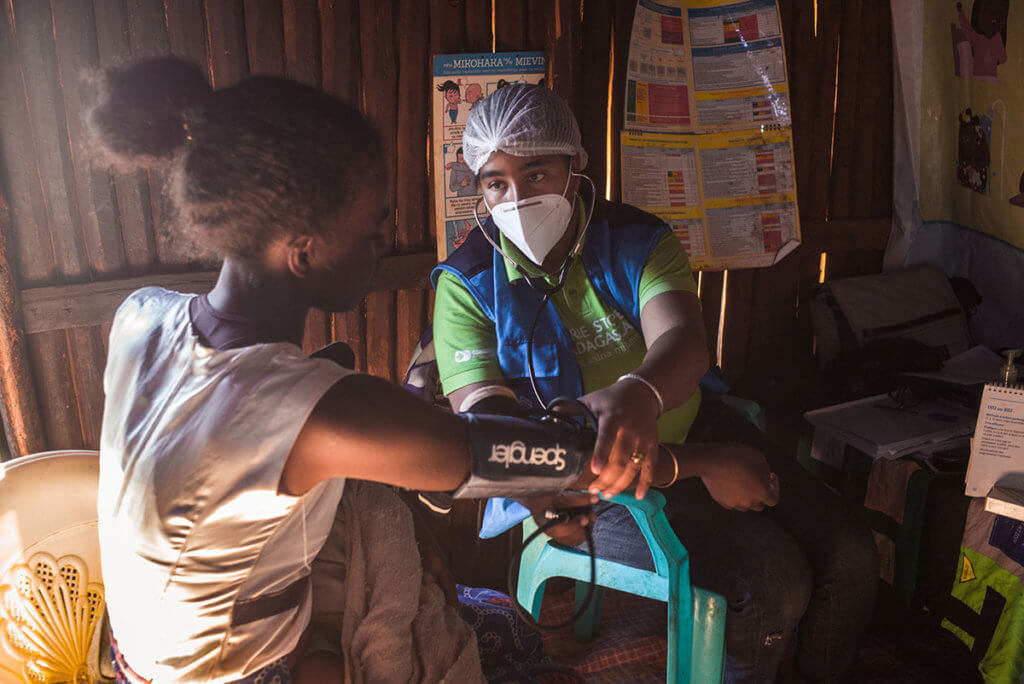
975 366
879 427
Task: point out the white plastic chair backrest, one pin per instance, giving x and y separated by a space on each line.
51 591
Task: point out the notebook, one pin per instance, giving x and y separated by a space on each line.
997 450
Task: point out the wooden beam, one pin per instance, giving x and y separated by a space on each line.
342 77
846 234
264 36
593 116
477 23
711 308
76 306
622 31
379 66
411 186
18 404
509 26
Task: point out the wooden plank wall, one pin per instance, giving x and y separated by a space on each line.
64 222
839 56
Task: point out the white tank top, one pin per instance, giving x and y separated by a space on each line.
191 522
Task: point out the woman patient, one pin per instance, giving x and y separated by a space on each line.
225 450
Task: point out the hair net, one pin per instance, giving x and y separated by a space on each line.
522 120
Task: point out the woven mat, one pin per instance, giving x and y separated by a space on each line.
629 647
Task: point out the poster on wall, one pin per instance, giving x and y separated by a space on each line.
729 197
972 167
460 81
706 65
658 90
707 144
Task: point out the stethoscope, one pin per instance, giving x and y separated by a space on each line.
550 413
537 284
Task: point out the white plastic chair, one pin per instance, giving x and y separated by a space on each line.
51 590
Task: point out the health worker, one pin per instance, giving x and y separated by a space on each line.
561 293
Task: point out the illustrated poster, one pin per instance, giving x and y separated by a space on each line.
460 81
972 165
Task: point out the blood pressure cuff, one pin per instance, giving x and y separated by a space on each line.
516 456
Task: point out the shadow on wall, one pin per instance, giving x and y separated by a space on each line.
996 269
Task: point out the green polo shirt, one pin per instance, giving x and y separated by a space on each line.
606 345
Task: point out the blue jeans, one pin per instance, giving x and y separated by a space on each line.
802 575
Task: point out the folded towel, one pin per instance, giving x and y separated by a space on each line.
368 585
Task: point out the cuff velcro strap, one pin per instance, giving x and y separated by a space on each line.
513 456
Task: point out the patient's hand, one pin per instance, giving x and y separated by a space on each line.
570 533
738 478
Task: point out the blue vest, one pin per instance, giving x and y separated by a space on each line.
618 242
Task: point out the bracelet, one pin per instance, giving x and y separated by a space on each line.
650 386
675 464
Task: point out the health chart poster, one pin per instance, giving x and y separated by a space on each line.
707 142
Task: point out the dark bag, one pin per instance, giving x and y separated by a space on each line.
870 328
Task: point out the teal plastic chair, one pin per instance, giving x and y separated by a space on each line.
696 617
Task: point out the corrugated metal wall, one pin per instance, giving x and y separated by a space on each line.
65 223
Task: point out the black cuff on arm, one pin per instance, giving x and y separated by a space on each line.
515 456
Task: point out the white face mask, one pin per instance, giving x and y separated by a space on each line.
536 224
